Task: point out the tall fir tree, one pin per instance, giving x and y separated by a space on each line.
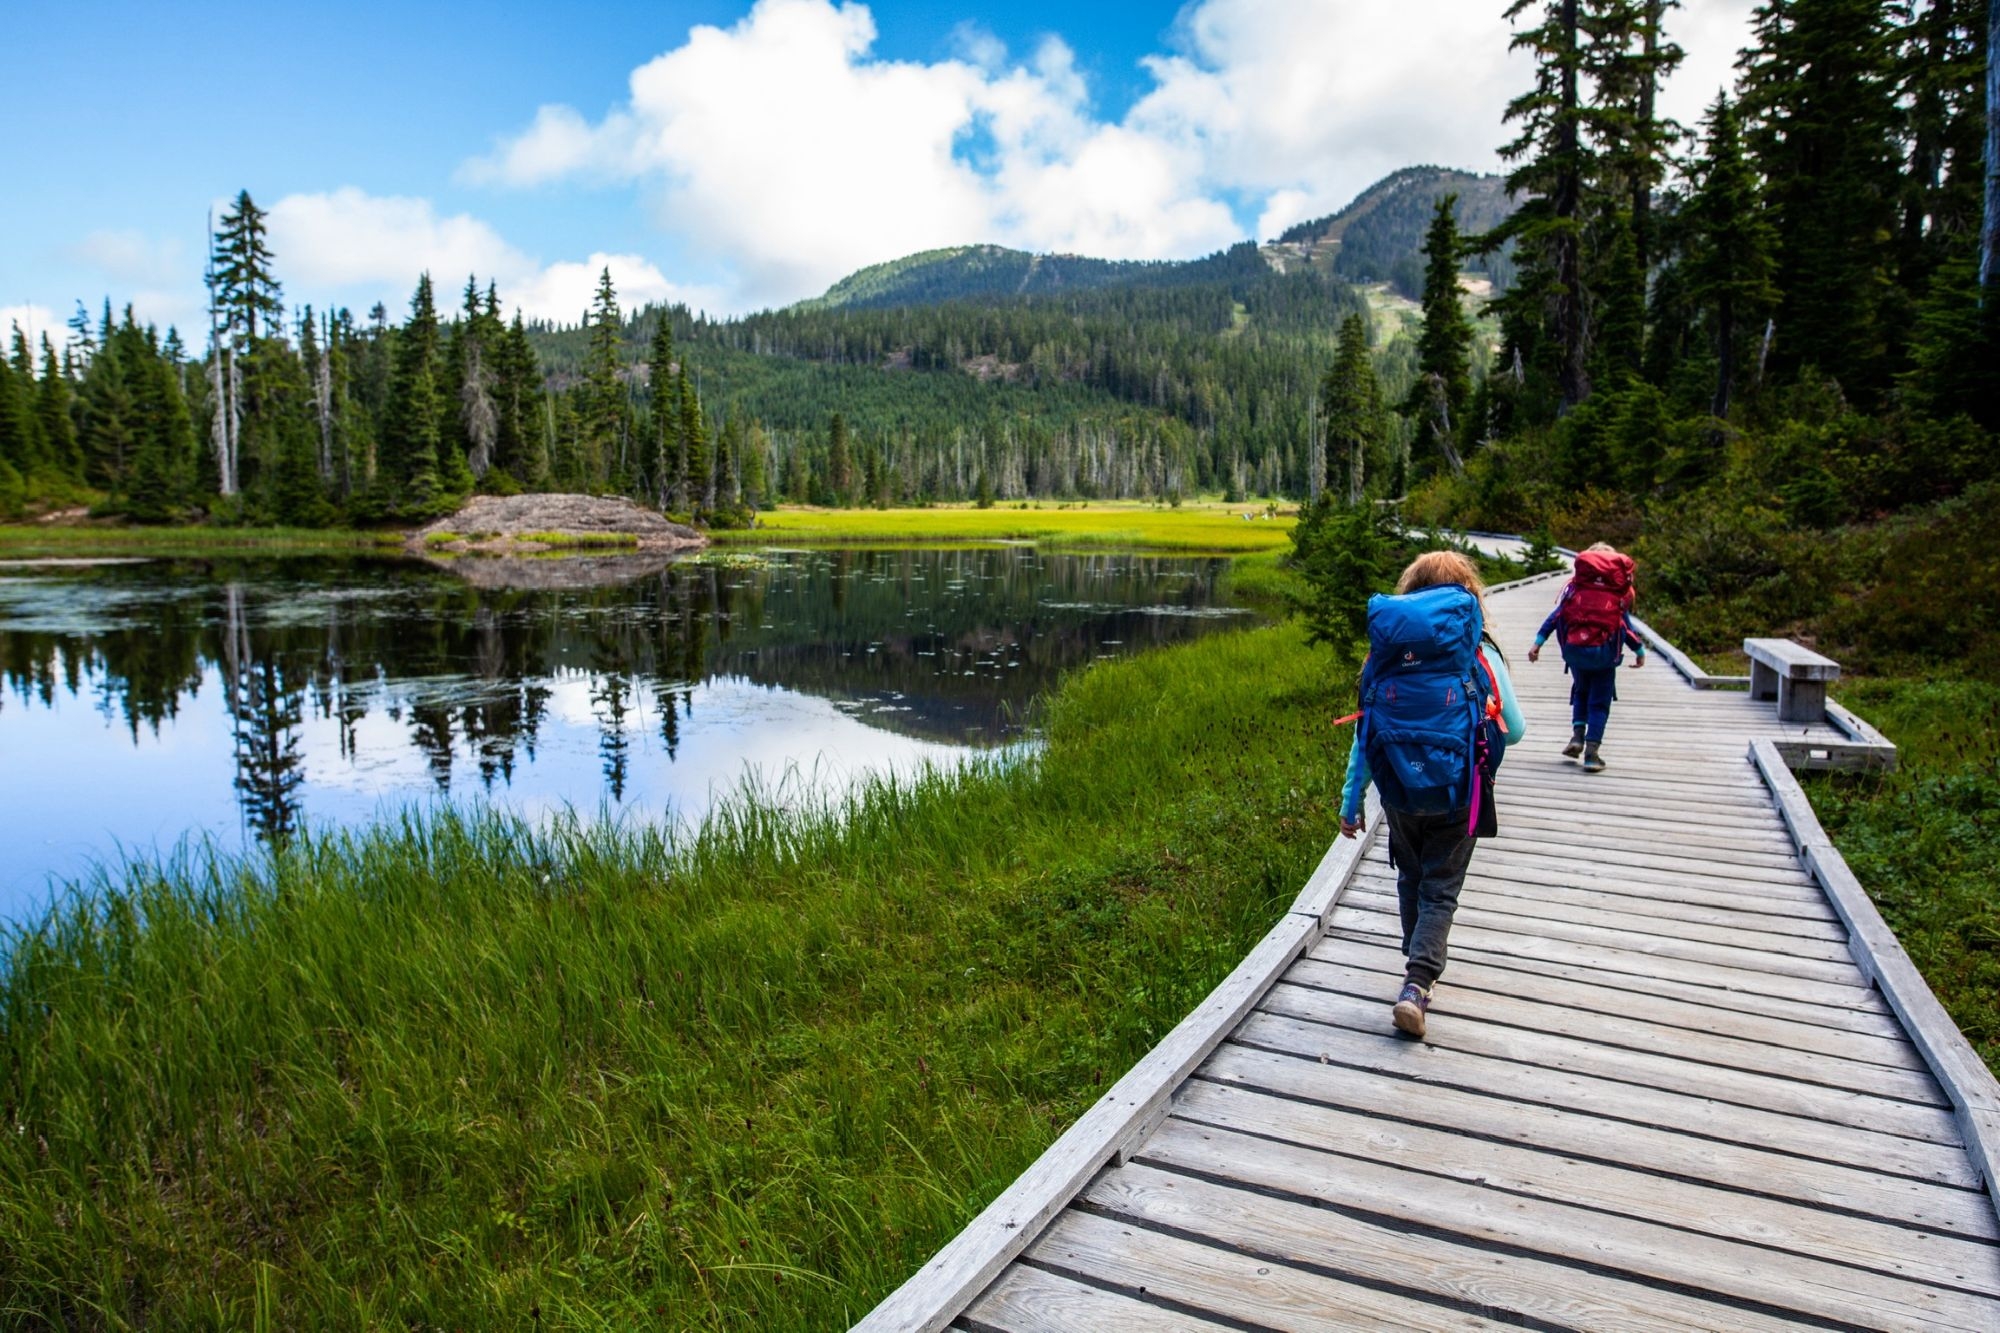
1819 109
1544 316
663 452
413 426
1442 388
839 462
245 284
1351 405
694 447
1729 265
1628 55
53 408
604 409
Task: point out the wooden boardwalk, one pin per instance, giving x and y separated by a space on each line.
1677 1076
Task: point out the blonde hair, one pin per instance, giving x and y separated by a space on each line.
1602 546
1436 568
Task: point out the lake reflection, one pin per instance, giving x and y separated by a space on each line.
146 700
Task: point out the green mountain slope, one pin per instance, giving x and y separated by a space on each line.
980 272
1379 237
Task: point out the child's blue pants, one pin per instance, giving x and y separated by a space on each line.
1590 696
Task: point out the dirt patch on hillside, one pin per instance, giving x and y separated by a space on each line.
525 524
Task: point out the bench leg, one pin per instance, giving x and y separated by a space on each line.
1763 681
1801 700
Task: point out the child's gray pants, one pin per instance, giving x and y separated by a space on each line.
1430 853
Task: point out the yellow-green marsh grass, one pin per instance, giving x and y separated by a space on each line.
18 540
1127 525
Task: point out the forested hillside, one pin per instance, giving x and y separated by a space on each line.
975 372
1379 236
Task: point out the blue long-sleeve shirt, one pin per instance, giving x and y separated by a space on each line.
1554 623
1358 776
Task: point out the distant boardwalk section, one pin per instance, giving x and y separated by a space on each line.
1678 1075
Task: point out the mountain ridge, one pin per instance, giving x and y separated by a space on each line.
1376 237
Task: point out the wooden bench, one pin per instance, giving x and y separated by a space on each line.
1795 676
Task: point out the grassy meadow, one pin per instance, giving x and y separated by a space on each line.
34 540
469 1074
1132 525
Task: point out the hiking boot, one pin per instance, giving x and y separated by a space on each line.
1593 762
1410 1007
1575 746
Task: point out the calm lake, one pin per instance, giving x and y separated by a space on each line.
145 701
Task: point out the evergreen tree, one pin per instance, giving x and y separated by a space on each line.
1728 266
520 444
21 442
1619 347
839 462
694 447
58 426
414 422
755 466
472 380
728 450
14 440
1439 395
663 438
1940 68
1989 235
1544 316
1627 56
245 285
1351 403
798 478
603 408
1819 107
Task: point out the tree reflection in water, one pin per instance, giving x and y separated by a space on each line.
464 666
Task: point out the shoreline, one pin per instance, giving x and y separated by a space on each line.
789 1043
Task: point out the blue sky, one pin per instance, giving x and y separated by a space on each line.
729 154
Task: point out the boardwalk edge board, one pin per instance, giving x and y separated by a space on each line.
1974 1093
956 1275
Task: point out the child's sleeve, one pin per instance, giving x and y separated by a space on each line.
1357 780
1632 636
1510 707
1554 619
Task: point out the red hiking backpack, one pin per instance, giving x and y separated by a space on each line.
1600 593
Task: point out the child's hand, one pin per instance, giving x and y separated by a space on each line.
1535 653
1638 660
1350 828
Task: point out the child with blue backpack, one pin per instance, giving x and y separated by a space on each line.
1594 619
1437 712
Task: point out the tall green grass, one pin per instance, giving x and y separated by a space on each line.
469 1073
29 540
1925 840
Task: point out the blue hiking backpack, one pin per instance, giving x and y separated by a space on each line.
1424 719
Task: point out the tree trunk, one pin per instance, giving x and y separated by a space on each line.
1575 379
1642 188
1725 354
1989 248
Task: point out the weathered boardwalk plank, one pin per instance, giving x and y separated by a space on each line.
1678 1075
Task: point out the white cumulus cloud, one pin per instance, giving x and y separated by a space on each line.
350 244
33 321
784 150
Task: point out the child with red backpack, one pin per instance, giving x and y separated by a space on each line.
1594 618
1437 711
